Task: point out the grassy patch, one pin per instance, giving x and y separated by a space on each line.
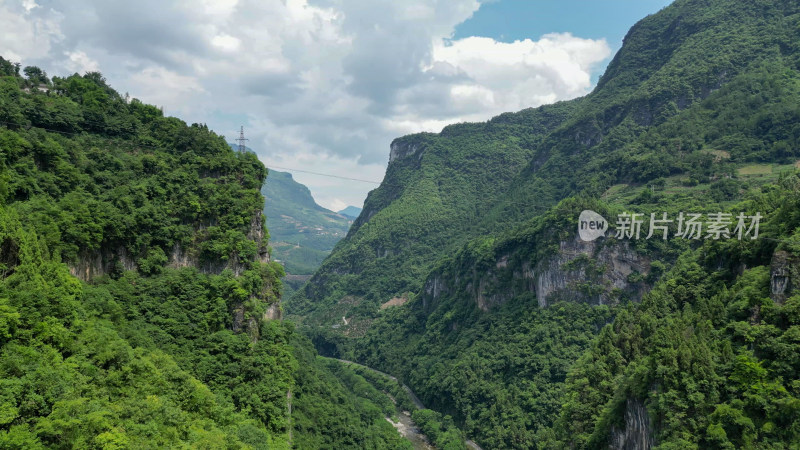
614 190
755 169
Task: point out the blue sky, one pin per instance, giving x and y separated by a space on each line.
326 85
510 20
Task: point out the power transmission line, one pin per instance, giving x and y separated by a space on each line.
121 141
128 142
324 174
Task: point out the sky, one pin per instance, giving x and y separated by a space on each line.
326 85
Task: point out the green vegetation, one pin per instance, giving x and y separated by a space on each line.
698 112
69 376
92 172
134 278
440 430
339 408
294 218
388 386
426 208
710 351
302 232
512 331
500 375
725 80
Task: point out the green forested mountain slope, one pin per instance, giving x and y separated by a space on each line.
428 204
706 360
709 358
302 232
531 339
136 289
695 78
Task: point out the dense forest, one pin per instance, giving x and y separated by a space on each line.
530 338
137 294
142 306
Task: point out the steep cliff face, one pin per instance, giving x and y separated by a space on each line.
697 79
600 272
472 180
401 148
637 431
245 315
106 261
101 262
106 201
435 185
784 275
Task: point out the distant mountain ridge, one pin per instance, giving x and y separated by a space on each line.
302 232
351 212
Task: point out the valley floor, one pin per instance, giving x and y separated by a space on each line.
405 424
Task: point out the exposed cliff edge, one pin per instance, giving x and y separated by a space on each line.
403 148
784 275
596 272
600 272
105 261
637 432
263 305
101 262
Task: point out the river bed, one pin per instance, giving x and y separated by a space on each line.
409 430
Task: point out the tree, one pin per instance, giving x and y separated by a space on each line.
36 75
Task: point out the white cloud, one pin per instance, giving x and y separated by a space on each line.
226 42
512 76
29 5
166 88
338 205
218 8
27 31
322 86
79 62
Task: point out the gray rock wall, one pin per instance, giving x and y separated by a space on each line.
597 272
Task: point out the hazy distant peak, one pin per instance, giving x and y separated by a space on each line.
351 212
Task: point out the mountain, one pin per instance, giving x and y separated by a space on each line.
139 304
302 232
465 276
351 212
